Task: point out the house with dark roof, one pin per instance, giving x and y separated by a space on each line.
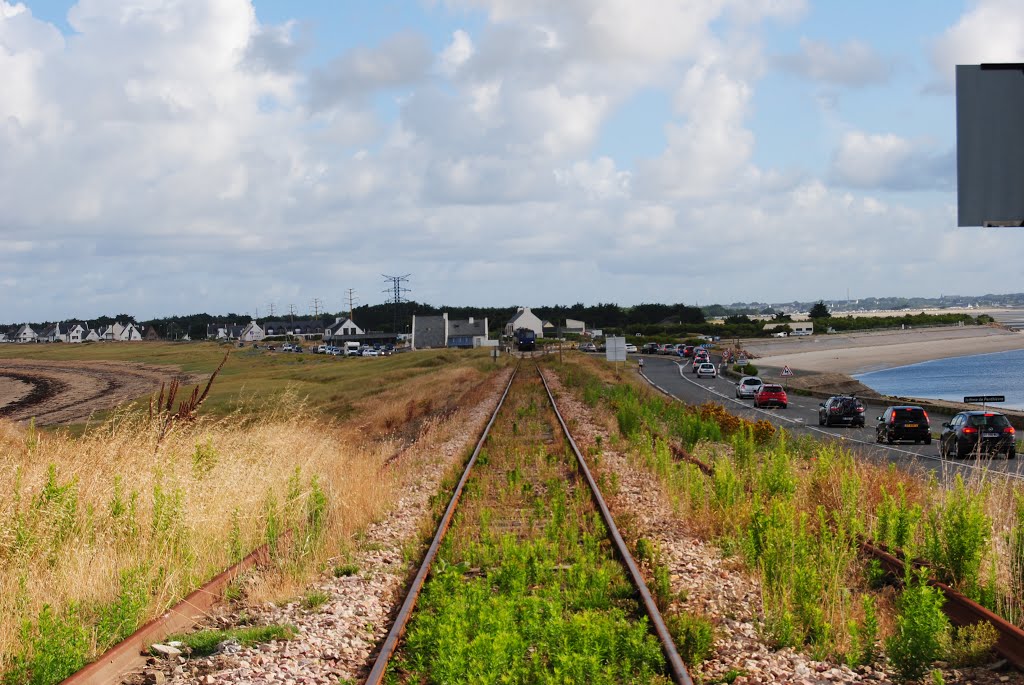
52 333
343 328
25 334
432 332
302 329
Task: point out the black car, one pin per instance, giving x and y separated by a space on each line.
978 432
841 410
904 423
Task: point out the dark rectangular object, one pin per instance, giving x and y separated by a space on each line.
975 399
990 144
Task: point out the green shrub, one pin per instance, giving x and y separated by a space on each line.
896 521
694 636
205 642
957 537
345 570
921 628
972 645
51 648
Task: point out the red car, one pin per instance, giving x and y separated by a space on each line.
771 395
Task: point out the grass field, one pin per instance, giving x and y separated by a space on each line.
334 386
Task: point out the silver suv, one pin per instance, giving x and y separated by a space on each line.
748 387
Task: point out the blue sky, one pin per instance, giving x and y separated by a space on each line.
501 151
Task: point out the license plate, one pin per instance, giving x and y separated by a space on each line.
990 435
910 425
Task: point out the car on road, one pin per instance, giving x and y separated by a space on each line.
905 422
748 386
771 395
841 410
588 347
287 347
699 359
706 370
688 350
630 348
649 348
978 433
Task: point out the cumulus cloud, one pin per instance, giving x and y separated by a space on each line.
853 64
887 161
400 60
989 31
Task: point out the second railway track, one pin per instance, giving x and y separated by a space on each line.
527 578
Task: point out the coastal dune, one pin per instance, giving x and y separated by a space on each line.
864 351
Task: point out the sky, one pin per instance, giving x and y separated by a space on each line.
162 157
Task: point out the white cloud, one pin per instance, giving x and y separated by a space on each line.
989 31
400 60
853 64
456 53
887 161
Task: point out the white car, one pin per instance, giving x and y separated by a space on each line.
706 370
630 348
748 387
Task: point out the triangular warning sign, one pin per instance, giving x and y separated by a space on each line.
786 371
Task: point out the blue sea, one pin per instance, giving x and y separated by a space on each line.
999 373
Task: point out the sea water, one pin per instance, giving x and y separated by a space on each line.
998 373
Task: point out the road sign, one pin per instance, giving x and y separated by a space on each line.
982 399
615 349
742 361
786 371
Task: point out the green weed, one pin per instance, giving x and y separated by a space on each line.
921 628
694 636
206 642
314 599
957 537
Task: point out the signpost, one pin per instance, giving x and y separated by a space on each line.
786 373
983 399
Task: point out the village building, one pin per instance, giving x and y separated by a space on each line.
342 328
433 332
524 318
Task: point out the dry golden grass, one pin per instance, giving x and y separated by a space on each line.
83 511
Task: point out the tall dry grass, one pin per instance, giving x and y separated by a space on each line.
109 529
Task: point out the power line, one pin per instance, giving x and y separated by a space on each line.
396 292
317 303
350 296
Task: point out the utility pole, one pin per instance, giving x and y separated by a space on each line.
317 303
396 292
270 307
291 315
350 297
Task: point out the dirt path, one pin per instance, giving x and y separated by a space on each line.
68 392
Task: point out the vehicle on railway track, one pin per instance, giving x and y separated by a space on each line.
526 339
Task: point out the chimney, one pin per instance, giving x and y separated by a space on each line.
471 321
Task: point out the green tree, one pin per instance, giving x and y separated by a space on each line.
819 311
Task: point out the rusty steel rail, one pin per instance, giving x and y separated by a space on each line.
394 636
961 610
677 670
125 656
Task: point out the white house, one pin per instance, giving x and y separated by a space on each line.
251 333
574 326
119 332
524 318
93 336
342 327
25 334
796 327
75 333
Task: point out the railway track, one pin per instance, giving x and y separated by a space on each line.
516 519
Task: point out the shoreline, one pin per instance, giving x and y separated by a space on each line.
829 367
863 352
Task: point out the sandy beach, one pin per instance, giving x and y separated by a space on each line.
855 353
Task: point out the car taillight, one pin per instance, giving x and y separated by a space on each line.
926 417
968 430
860 409
892 418
1009 430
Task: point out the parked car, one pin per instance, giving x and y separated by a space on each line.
707 369
630 348
321 349
588 347
771 395
287 347
649 348
904 423
978 432
369 352
841 410
748 386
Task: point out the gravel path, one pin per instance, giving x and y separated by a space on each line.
335 641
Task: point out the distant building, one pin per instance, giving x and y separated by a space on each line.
306 329
342 328
524 318
574 326
25 334
433 332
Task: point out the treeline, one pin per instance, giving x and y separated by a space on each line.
654 321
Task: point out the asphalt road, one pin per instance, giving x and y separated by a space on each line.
801 417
